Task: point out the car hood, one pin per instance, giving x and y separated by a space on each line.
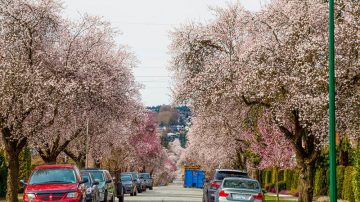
50 187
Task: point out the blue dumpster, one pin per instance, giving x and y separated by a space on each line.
194 178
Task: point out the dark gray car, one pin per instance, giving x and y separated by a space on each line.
129 184
147 180
91 189
213 185
136 179
107 191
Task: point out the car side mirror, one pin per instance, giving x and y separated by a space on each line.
96 183
83 181
108 181
23 183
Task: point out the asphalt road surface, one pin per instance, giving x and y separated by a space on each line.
171 193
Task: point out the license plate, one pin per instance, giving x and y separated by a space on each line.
239 197
213 195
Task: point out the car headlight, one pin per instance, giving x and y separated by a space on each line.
30 196
88 190
72 195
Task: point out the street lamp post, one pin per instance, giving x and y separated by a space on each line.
332 127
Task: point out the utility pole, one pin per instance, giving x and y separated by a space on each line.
87 144
332 118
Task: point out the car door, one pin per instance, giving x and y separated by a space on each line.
110 186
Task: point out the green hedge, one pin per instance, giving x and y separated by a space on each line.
356 179
339 180
347 189
3 174
321 183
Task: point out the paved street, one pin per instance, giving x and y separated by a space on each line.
173 192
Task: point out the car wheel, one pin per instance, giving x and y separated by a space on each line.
151 188
121 198
105 197
139 190
112 198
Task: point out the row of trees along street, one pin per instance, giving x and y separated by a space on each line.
61 80
257 85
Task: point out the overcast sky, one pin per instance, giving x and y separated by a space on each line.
145 26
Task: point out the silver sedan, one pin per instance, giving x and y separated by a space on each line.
239 189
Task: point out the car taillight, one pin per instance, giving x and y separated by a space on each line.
258 196
222 193
215 184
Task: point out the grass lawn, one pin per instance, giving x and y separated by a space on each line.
273 199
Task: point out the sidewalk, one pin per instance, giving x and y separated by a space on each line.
283 197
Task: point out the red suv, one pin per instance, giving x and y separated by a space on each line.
55 183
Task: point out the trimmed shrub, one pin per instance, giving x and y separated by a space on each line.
273 175
356 179
281 175
347 189
321 185
25 166
3 174
339 180
288 178
295 180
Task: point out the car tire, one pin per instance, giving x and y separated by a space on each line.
121 198
112 198
105 197
140 190
151 188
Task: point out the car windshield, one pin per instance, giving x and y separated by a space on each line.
53 176
86 176
241 184
125 178
98 175
222 174
145 175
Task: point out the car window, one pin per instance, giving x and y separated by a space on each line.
145 175
220 175
126 178
53 176
241 184
98 175
108 176
86 176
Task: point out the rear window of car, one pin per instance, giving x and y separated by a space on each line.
241 184
220 175
98 175
53 176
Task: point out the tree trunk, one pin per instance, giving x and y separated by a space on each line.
13 147
13 177
277 183
307 175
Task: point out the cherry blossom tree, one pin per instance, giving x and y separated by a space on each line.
276 59
25 84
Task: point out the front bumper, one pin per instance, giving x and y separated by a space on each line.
128 190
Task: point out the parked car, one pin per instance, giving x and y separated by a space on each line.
147 180
107 191
135 175
239 189
211 186
129 184
55 182
92 190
